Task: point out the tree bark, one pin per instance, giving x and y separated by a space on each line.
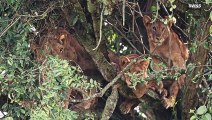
88 41
191 87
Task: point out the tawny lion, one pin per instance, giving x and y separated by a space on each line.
140 67
164 42
61 43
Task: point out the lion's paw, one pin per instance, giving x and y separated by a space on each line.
125 107
163 93
168 102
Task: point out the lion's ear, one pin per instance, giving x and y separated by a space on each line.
146 19
123 61
62 39
144 63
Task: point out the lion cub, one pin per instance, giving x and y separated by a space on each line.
140 67
164 42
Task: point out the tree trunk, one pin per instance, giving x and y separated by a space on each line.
191 87
86 36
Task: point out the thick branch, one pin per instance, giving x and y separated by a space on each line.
84 35
190 98
110 104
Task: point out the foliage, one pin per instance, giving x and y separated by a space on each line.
35 91
15 63
57 78
202 113
135 79
38 91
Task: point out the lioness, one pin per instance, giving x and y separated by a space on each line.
163 41
140 67
61 43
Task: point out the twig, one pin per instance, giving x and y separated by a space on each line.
123 12
170 40
141 40
9 26
100 28
155 18
49 9
135 23
174 25
122 34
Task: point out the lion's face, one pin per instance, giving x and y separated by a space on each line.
140 67
58 42
157 32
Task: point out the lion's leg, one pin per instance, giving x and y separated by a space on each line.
175 87
152 84
178 62
85 105
140 90
173 91
66 101
127 105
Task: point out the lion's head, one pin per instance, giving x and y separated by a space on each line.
59 43
56 42
157 32
140 67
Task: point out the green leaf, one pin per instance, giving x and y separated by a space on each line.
153 8
208 1
206 45
171 1
208 116
8 118
11 1
165 22
10 61
171 9
193 47
38 95
210 109
201 110
194 117
23 111
4 106
191 111
211 15
57 87
75 20
174 6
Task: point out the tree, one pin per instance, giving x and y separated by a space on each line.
38 89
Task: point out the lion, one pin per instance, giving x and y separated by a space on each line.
59 42
140 67
164 42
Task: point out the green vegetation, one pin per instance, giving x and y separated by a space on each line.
37 91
